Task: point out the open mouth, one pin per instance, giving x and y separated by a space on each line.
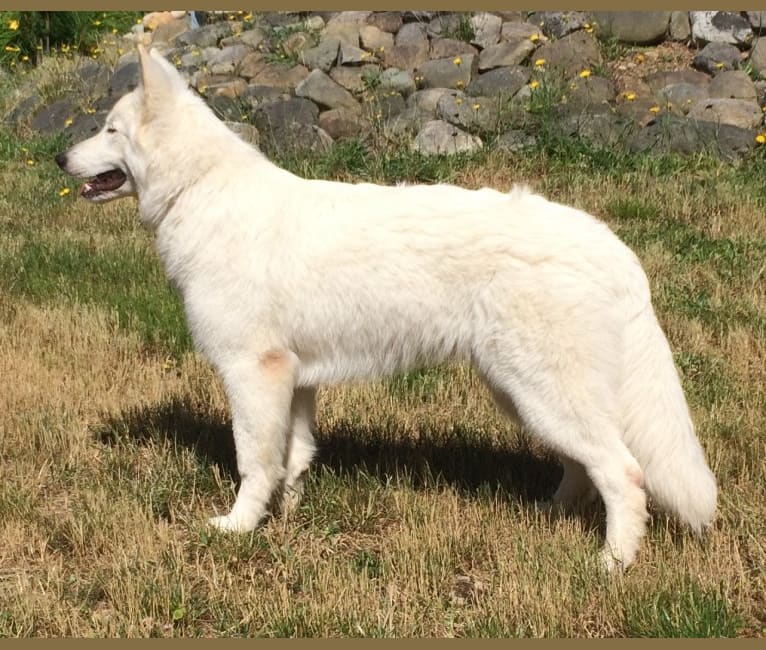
106 182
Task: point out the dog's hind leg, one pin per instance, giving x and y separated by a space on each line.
260 393
301 446
568 401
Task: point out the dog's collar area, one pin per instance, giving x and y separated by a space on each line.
104 182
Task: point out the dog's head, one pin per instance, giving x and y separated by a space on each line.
112 161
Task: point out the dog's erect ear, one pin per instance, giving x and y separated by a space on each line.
158 77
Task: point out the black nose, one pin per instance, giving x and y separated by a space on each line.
61 160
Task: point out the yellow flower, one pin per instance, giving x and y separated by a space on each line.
114 30
64 191
30 162
719 65
629 95
13 25
476 107
12 48
457 60
640 58
458 101
534 84
539 63
761 138
382 48
96 23
25 58
534 38
585 74
654 109
90 111
68 121
248 18
459 84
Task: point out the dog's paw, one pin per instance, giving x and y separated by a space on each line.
230 523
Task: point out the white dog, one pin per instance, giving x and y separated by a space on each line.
289 283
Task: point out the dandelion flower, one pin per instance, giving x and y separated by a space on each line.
761 138
640 58
13 25
457 60
68 121
629 95
534 84
718 65
12 48
64 191
654 109
585 74
30 162
476 107
539 63
458 101
535 37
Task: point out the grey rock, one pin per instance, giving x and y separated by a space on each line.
280 76
559 23
687 136
682 96
323 56
518 30
279 115
349 18
207 36
383 105
658 80
28 106
400 81
505 54
448 73
486 29
720 27
356 79
168 32
470 113
297 42
605 129
124 79
252 64
405 57
736 112
225 61
246 132
405 124
314 23
640 27
426 101
591 92
256 96
86 125
341 123
680 27
499 82
250 37
351 55
386 21
347 33
515 141
228 108
445 25
53 118
757 21
440 138
413 35
220 85
321 89
442 48
732 84
758 56
716 57
375 40
94 78
570 54
298 138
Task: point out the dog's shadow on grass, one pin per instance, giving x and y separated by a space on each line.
464 460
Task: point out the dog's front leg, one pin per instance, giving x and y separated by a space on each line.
260 393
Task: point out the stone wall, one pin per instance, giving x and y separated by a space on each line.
448 82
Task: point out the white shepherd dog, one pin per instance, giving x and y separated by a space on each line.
289 283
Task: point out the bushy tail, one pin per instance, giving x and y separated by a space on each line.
658 428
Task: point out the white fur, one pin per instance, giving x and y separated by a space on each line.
290 283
